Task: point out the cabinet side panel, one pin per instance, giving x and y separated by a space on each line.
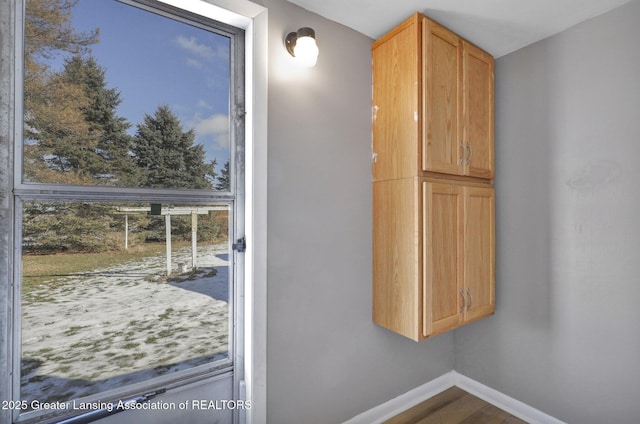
396 292
442 51
443 248
479 247
396 108
478 110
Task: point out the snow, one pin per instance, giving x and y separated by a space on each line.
111 327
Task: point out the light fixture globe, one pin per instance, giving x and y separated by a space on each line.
302 45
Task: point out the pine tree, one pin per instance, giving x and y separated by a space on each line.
111 162
49 31
54 122
167 156
223 182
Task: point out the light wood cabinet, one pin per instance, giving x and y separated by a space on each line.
434 257
432 103
479 252
477 111
433 198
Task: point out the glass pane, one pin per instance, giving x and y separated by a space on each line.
99 310
118 96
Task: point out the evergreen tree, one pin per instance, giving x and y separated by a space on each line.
54 123
167 156
223 182
52 227
111 162
49 31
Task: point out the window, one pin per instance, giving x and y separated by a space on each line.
129 197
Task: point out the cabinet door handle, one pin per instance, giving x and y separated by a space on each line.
470 299
470 153
464 301
464 153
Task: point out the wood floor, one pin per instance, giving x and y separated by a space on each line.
454 406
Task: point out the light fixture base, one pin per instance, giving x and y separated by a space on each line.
290 42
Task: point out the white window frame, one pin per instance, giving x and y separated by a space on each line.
254 20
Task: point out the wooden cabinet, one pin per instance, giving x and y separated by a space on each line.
479 252
433 198
434 257
432 103
477 111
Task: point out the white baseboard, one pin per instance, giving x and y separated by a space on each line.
504 402
395 406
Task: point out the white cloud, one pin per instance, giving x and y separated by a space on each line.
193 63
215 125
192 46
202 104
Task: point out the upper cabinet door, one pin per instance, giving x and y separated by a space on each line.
396 108
477 111
442 135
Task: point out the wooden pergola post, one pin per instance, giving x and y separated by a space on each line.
126 232
194 238
167 223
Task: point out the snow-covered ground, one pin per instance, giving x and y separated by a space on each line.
110 327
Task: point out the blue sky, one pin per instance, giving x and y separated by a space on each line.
153 60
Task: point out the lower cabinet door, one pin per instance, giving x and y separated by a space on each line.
442 207
479 252
458 254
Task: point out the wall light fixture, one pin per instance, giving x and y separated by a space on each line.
302 45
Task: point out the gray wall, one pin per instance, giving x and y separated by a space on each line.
566 334
326 360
